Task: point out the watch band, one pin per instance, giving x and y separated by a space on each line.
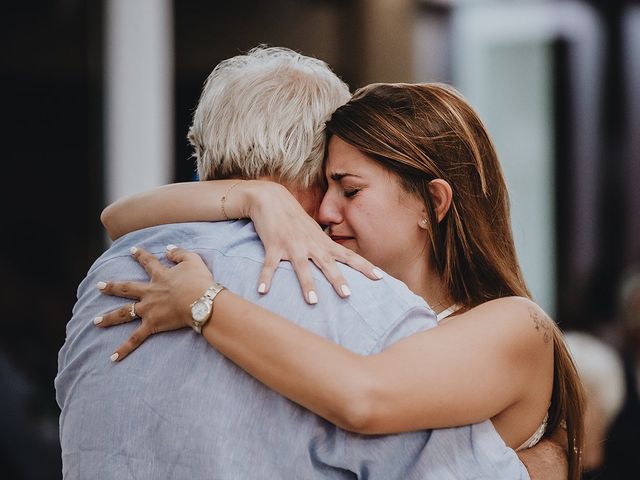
206 302
212 291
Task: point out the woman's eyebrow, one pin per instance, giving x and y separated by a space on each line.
337 176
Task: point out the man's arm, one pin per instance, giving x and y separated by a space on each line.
548 459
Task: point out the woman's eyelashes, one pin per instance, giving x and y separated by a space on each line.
351 192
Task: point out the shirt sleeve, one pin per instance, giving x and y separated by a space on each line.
417 319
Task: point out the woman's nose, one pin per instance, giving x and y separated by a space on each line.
329 211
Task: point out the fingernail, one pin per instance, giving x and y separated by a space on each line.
171 246
101 285
346 291
114 357
377 273
313 298
133 250
97 320
262 287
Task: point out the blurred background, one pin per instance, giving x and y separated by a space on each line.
97 97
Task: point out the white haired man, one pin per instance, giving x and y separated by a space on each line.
177 409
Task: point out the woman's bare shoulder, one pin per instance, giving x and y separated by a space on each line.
518 322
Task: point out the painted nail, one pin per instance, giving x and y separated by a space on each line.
262 288
97 320
101 285
133 250
346 291
377 273
170 247
114 357
313 298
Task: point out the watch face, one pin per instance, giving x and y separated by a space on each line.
200 311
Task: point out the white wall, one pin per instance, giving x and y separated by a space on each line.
139 95
501 60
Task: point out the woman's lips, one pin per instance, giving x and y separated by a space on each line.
340 239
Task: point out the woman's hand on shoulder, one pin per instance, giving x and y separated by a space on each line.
286 230
163 303
289 233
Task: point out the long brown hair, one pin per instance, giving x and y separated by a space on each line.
422 132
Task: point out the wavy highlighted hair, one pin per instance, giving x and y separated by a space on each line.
421 132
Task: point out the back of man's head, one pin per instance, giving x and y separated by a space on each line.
263 114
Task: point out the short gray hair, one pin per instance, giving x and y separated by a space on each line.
263 114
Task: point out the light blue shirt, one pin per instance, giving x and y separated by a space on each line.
176 409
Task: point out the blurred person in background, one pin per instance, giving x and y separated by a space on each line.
399 151
621 450
601 371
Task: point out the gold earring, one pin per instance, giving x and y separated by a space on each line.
424 222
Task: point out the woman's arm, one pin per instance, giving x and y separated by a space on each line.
467 370
176 202
285 229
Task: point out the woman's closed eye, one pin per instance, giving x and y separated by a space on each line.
351 192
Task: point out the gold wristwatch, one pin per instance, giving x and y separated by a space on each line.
202 308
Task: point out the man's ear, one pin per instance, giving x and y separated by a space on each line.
441 195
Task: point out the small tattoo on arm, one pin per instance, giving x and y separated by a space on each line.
541 324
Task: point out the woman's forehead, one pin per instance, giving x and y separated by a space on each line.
344 159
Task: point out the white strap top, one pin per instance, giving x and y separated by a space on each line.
447 311
538 434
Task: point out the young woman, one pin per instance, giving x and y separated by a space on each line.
414 186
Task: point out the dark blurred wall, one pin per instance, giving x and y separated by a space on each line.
592 303
205 34
51 194
362 40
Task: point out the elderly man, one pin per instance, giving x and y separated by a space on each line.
177 409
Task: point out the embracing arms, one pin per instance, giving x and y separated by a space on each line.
285 228
428 380
341 392
176 202
365 394
439 378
